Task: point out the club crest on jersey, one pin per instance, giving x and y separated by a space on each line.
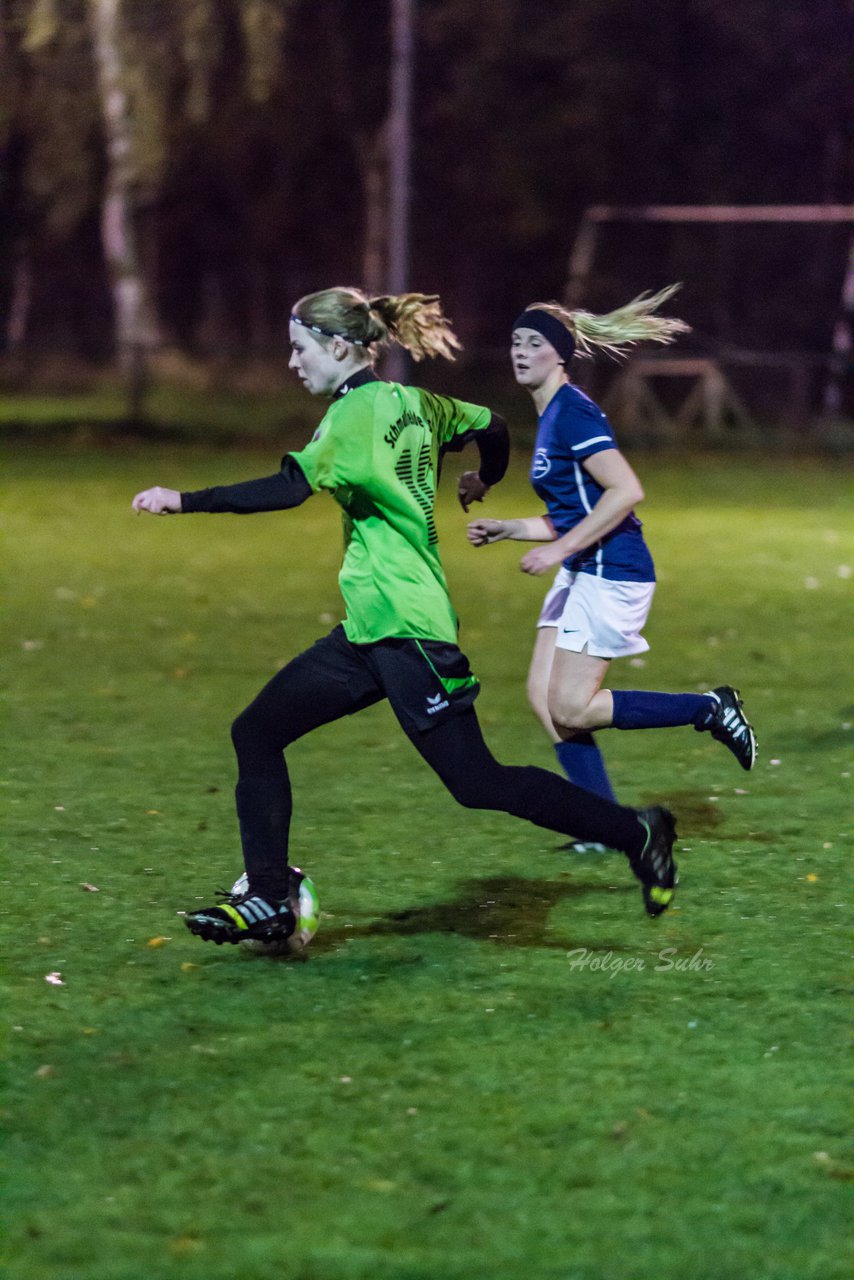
540 464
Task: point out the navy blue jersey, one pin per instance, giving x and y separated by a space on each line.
573 428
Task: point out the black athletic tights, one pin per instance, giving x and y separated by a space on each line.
295 701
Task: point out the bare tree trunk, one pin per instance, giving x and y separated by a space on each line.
372 161
399 137
133 322
370 149
19 306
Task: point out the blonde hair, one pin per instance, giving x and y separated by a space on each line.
413 320
618 331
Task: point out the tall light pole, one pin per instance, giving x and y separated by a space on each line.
399 163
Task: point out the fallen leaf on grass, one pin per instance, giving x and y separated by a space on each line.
159 941
185 1246
89 888
833 1168
187 965
55 979
45 1072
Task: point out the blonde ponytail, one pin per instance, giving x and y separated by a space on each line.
413 320
416 321
620 330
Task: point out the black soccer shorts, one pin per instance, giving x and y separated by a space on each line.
427 682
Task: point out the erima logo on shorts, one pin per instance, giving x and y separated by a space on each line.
436 704
540 465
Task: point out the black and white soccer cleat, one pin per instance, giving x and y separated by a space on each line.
730 725
241 918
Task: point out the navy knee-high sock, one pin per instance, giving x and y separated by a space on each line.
581 761
638 709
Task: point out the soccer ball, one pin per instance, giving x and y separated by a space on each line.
303 900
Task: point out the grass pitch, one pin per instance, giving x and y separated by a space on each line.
490 1062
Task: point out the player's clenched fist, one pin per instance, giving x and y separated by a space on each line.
158 501
481 532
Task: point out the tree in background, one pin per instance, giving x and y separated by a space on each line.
107 94
52 158
124 136
257 131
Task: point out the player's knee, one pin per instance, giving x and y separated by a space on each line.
570 714
475 791
249 735
243 737
238 730
537 700
468 793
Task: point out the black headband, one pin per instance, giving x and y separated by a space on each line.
552 329
328 333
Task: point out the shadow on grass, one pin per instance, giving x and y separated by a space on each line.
695 816
509 911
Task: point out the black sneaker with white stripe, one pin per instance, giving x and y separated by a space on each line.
730 726
654 865
585 846
241 917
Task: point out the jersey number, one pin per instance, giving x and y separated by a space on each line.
416 473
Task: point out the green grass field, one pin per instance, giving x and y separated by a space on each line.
490 1063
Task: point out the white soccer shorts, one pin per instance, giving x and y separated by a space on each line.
607 617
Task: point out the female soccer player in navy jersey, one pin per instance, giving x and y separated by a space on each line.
598 602
377 452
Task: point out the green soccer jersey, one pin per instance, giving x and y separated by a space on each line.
376 451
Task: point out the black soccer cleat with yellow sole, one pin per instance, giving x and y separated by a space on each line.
243 917
730 725
654 865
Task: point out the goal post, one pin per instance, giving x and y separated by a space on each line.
832 365
587 238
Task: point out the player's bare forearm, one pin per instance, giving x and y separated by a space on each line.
483 532
532 529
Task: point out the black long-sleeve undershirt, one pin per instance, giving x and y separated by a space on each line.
493 443
289 487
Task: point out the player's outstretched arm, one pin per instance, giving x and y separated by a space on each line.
158 501
287 488
483 532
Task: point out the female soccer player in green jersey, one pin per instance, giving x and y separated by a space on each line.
377 451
